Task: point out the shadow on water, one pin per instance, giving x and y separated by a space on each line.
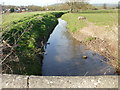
64 56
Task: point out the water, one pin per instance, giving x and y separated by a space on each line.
64 56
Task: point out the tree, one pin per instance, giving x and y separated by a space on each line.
35 8
76 4
104 6
11 10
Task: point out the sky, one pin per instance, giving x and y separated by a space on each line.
49 2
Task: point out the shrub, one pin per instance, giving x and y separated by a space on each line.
11 10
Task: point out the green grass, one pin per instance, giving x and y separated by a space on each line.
94 16
102 19
73 23
8 18
100 11
90 38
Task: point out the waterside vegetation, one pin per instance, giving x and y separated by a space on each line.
24 42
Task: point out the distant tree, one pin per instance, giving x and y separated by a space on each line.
57 7
35 8
75 4
104 6
11 10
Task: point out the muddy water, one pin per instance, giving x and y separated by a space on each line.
64 56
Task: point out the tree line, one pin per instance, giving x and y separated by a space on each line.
71 5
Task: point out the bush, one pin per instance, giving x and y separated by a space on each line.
11 10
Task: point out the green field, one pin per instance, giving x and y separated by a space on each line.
98 17
8 18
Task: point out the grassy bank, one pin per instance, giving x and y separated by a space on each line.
97 17
10 17
25 39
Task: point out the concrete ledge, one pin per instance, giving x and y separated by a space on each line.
19 81
14 81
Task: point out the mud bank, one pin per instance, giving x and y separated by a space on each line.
102 41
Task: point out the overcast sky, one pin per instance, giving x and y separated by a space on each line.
48 2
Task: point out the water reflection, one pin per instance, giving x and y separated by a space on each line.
64 56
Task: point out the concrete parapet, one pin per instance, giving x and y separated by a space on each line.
21 81
14 81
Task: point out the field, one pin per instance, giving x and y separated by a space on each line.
8 18
97 17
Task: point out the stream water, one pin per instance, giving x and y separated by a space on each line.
64 56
